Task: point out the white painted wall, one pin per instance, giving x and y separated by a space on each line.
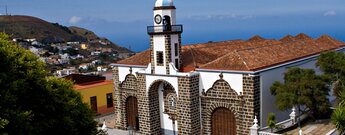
207 79
174 39
166 123
171 13
267 78
172 80
159 45
124 71
159 40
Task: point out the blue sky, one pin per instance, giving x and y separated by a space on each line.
125 21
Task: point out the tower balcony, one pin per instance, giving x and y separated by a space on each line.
164 29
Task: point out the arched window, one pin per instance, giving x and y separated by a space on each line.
172 102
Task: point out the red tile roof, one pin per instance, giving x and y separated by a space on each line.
92 84
254 54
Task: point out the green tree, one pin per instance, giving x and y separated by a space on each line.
271 121
302 87
3 123
333 64
33 103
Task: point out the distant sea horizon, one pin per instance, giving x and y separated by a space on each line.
142 44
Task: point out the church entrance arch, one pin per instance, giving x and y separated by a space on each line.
223 122
162 105
132 112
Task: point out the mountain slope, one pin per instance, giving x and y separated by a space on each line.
20 26
31 27
91 37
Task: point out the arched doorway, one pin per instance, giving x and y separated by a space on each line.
162 108
132 112
223 122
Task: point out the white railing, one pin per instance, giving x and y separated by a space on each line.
267 133
284 124
332 132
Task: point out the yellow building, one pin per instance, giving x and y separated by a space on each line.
83 46
96 91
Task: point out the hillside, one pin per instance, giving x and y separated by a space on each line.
91 37
31 27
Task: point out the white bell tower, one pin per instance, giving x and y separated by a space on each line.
165 38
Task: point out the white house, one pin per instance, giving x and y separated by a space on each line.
210 88
65 72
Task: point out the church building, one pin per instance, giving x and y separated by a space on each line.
210 88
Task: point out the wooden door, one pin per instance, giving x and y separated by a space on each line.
223 122
93 102
132 113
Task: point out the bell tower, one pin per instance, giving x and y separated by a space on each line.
165 38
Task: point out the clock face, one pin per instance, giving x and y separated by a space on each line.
158 19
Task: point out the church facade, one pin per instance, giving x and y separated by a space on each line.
212 88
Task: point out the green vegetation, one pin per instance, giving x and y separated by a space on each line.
271 121
302 87
33 103
338 117
333 64
62 27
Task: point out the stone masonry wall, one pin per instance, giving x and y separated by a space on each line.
167 52
117 99
257 97
152 58
180 50
188 106
242 105
149 117
128 88
221 95
251 89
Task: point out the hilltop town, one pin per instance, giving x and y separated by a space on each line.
65 50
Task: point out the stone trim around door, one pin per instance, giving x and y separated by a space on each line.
124 90
221 95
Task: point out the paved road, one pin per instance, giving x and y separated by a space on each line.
110 123
314 128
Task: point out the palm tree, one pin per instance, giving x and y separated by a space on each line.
271 121
338 116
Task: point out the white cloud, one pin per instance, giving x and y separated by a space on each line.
330 13
74 19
